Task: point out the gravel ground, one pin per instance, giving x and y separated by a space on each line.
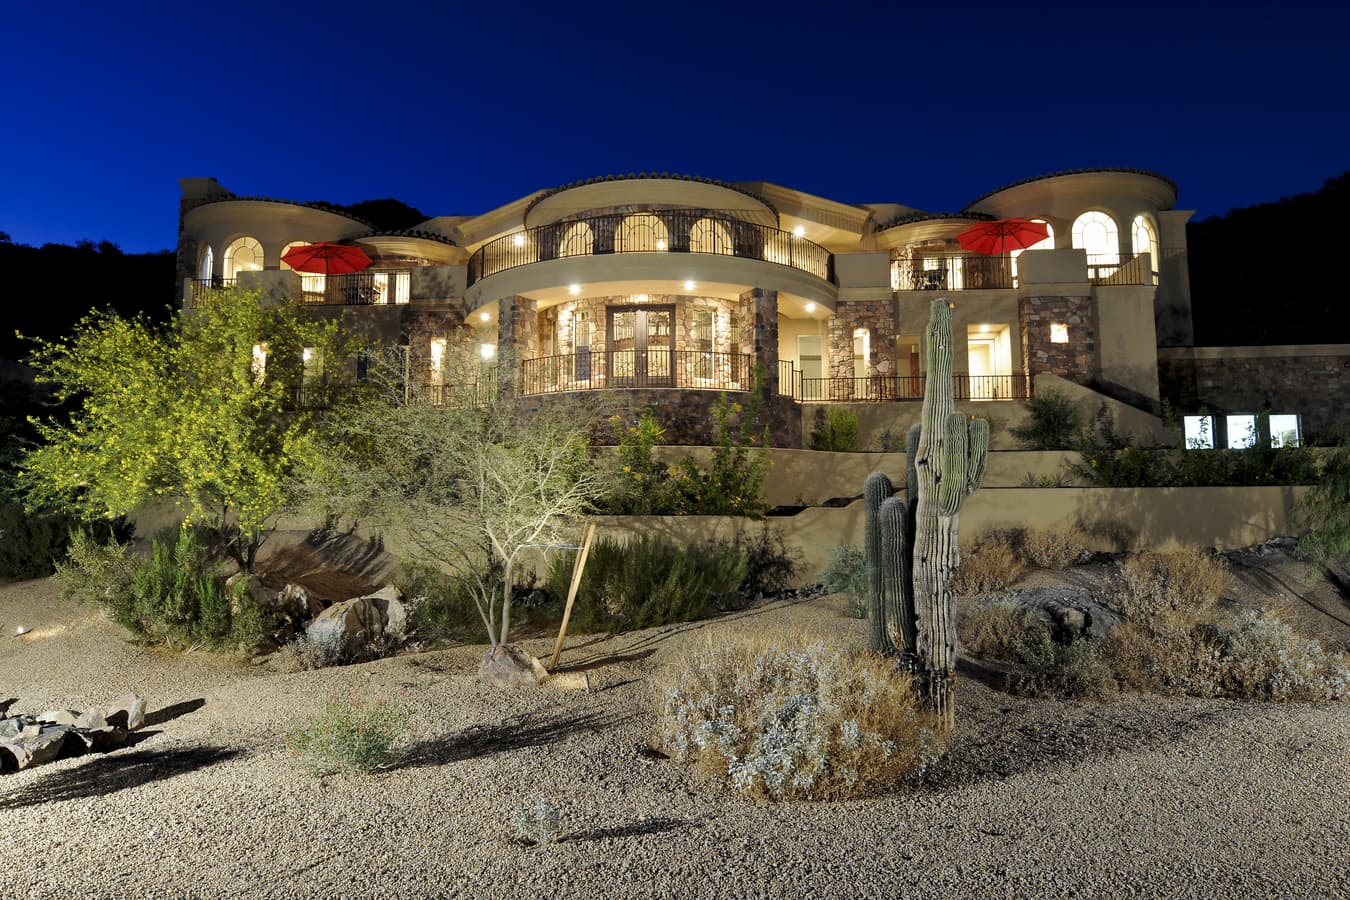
1139 796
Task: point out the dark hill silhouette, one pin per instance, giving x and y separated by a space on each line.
386 214
1272 273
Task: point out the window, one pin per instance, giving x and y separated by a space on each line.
1096 233
437 362
1284 431
293 245
1144 239
1059 333
1198 432
577 240
701 340
641 232
710 236
1241 431
208 264
244 254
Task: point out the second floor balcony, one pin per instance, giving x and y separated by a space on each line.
663 231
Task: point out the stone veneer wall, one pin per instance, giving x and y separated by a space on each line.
1077 360
763 307
423 326
878 317
687 414
1316 387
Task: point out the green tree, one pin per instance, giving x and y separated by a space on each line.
200 412
462 477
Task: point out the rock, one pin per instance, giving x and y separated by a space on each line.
12 756
132 706
295 603
1070 612
355 625
10 728
507 666
390 600
58 717
91 719
44 746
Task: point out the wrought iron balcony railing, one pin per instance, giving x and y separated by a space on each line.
884 388
951 273
586 371
196 288
659 231
355 289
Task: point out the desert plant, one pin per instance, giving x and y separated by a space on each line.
319 651
537 823
835 429
787 722
1263 659
1047 669
1043 480
1052 549
1179 583
349 733
649 581
845 572
891 440
992 566
769 565
440 605
991 629
639 484
1325 510
1051 424
733 483
914 611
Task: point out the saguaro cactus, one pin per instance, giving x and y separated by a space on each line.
912 545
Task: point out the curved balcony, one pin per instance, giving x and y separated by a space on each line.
659 231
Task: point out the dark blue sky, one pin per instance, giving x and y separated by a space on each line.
460 108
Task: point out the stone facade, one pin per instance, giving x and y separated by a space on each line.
1316 387
1076 359
878 317
762 305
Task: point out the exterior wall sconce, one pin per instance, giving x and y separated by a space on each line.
1059 333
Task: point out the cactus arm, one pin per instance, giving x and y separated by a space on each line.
895 554
911 453
876 489
979 454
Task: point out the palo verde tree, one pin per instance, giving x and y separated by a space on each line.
911 544
459 474
200 412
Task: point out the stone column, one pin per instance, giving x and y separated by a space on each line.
517 337
1077 358
764 305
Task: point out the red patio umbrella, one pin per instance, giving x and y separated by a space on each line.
325 258
998 237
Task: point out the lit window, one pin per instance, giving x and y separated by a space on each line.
243 254
1199 432
1096 233
1284 431
1144 239
438 361
1059 333
487 350
1241 431
259 365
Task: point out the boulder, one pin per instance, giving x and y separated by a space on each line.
353 625
58 717
1070 612
390 600
507 666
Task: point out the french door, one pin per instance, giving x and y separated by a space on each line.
640 342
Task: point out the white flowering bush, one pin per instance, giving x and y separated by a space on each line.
794 722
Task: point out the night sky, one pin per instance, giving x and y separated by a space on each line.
462 108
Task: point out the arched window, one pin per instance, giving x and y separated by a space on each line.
641 232
1096 233
1045 243
710 236
243 255
285 266
207 265
1144 239
577 240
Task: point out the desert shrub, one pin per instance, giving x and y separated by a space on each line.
992 629
1047 669
1051 424
1179 584
639 485
733 484
440 606
992 566
790 722
1052 549
835 429
649 581
176 596
769 564
537 823
845 572
1043 480
1162 657
891 440
349 733
1326 510
1261 658
319 651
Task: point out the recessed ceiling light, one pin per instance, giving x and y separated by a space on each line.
689 285
810 307
574 289
660 245
519 240
483 315
799 231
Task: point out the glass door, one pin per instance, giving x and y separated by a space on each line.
641 344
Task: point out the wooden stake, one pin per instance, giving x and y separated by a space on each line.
577 569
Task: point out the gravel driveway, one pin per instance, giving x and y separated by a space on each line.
1142 795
